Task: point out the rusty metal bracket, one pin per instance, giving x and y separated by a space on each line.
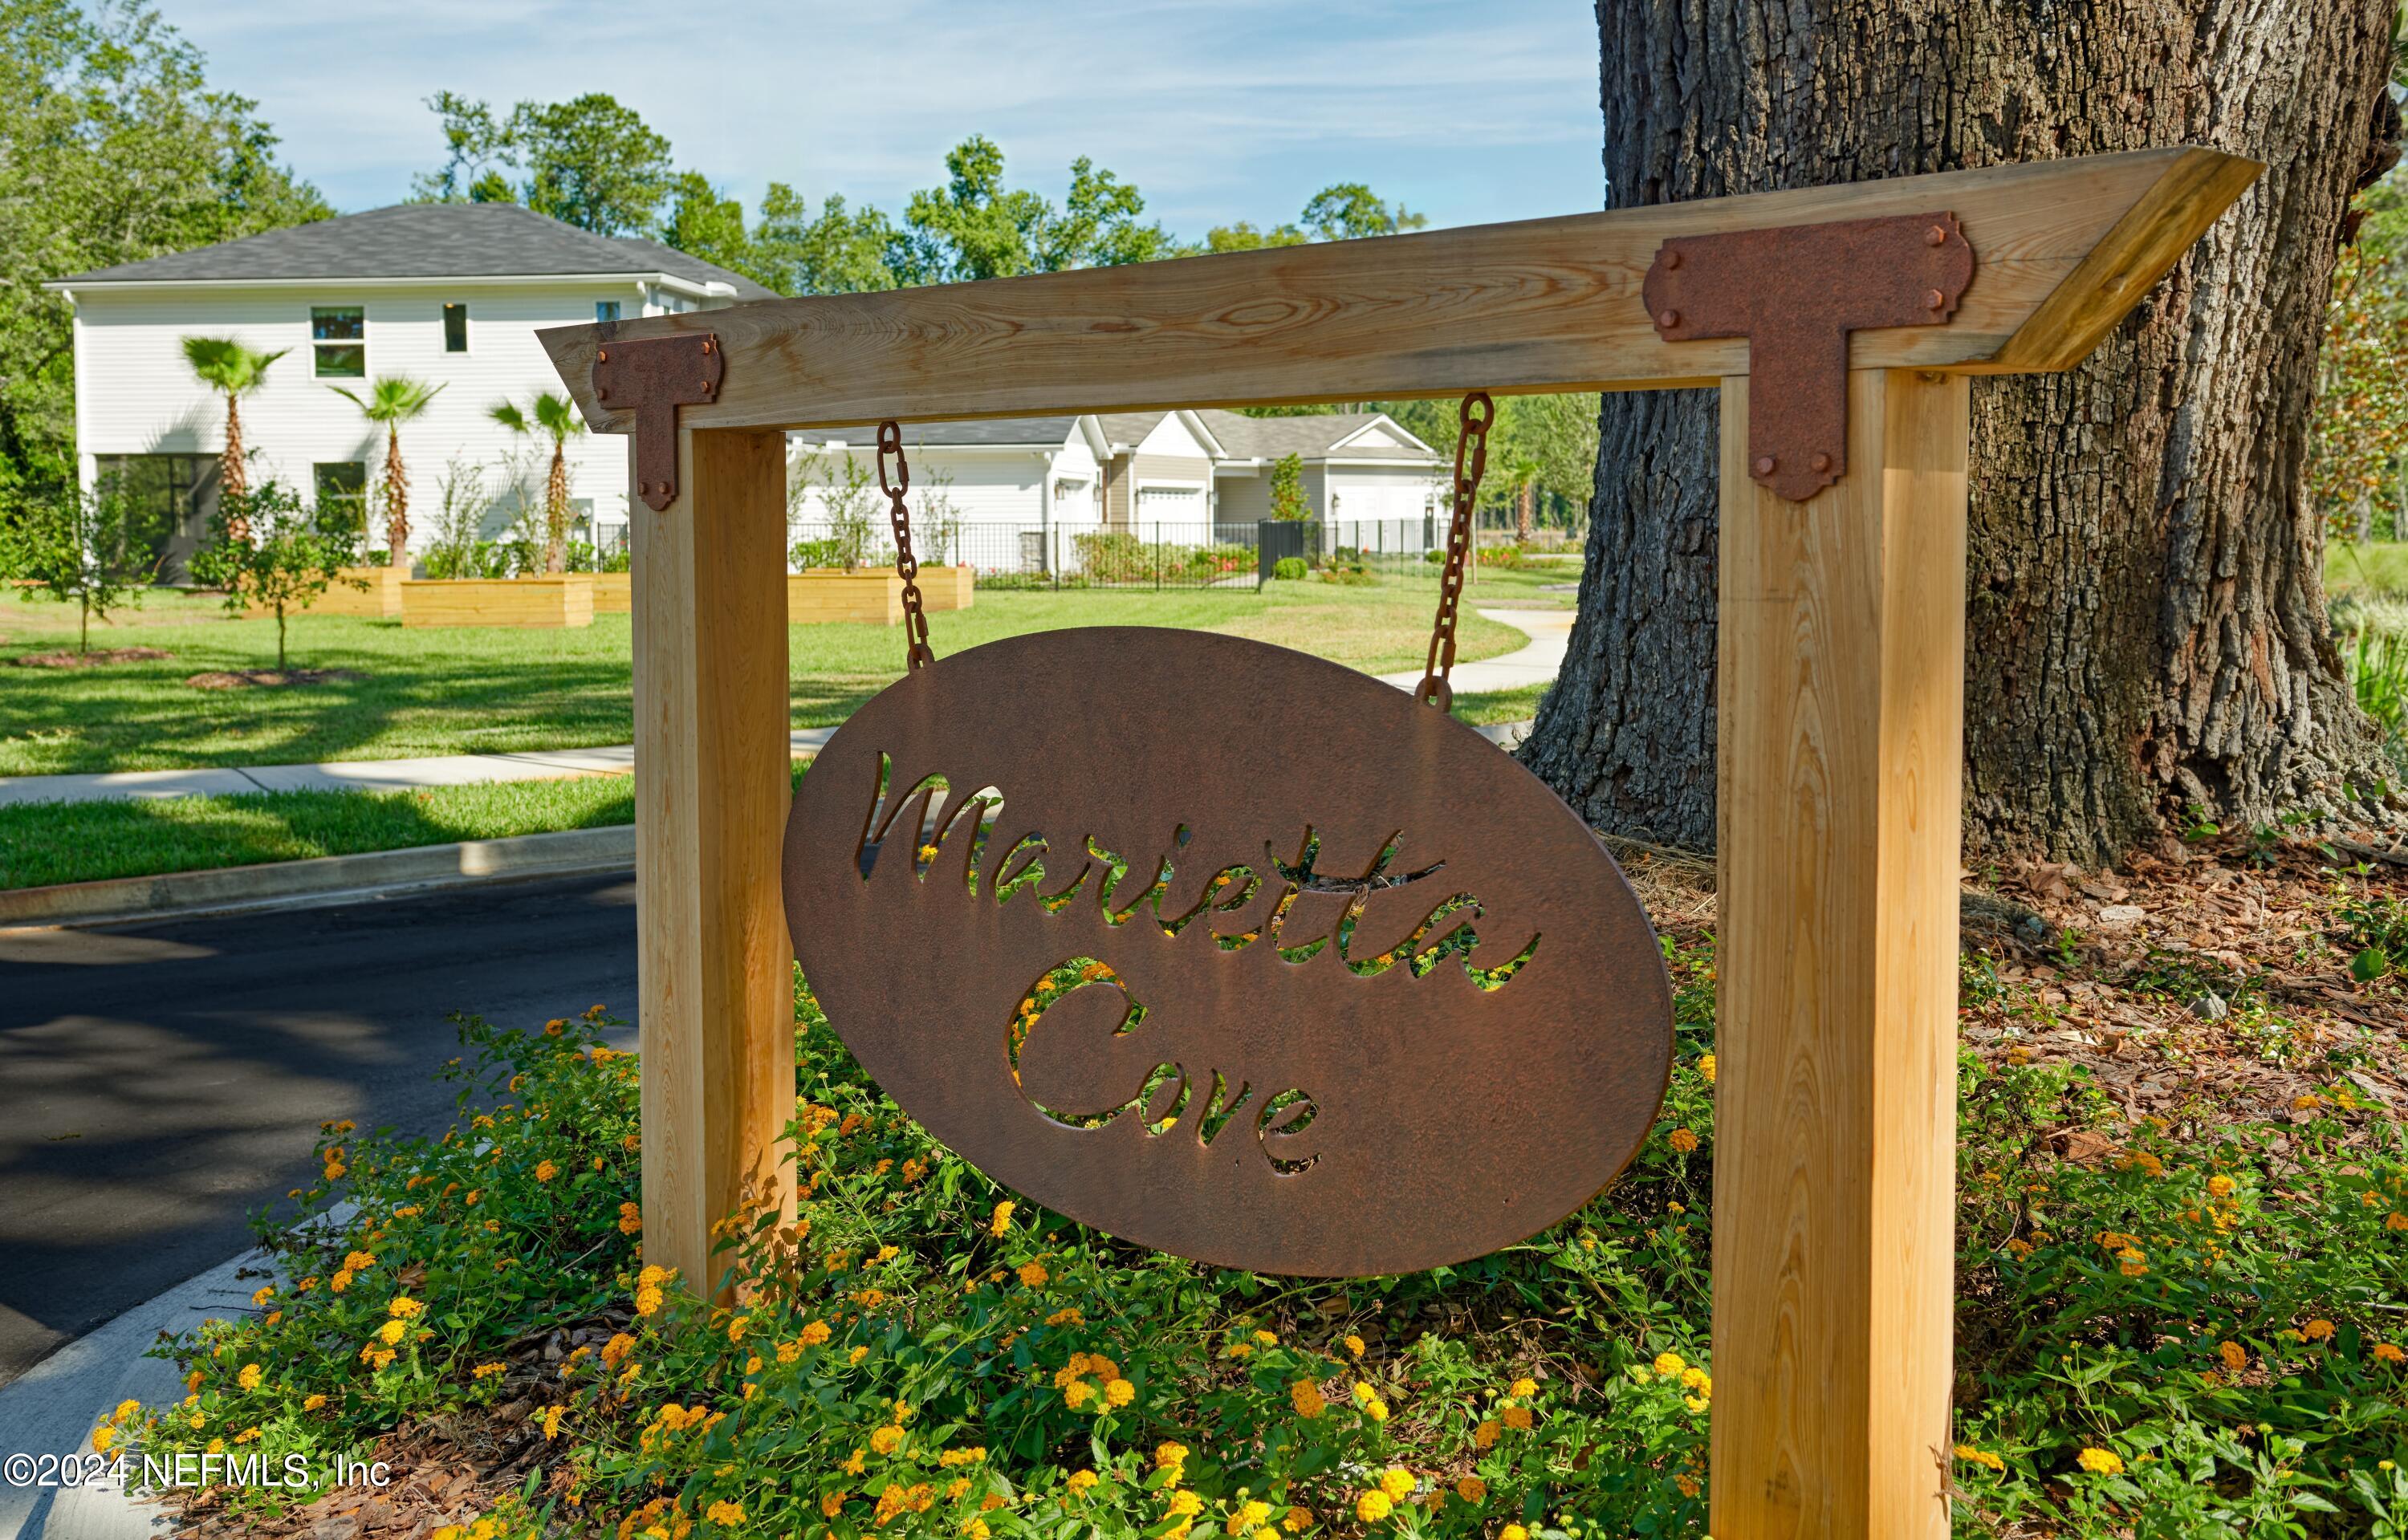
652 378
1794 294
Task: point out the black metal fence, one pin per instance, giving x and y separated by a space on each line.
1142 555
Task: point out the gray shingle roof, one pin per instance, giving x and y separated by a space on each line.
1273 437
1128 428
1037 431
430 240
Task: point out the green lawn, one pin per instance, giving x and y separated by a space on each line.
1488 707
2375 570
46 842
448 692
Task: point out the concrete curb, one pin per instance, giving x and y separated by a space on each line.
52 1407
327 879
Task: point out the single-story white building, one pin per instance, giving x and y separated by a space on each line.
1005 494
449 294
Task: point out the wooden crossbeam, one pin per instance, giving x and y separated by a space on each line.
1536 306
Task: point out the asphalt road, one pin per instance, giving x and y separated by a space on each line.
161 1083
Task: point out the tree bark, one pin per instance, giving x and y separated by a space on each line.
556 511
2148 632
233 477
396 501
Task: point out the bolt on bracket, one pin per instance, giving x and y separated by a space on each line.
652 378
1795 293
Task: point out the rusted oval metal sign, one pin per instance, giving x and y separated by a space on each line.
1229 951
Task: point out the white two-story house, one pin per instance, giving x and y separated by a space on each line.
449 294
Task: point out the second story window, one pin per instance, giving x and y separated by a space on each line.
338 338
606 309
456 328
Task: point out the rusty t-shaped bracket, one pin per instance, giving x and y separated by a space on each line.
1795 293
653 378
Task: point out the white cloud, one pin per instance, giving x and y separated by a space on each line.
1220 111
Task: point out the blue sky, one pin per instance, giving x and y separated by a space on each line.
1218 111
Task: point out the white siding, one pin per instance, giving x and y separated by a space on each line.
1171 456
1360 493
136 395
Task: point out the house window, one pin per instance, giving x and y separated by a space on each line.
343 493
456 328
168 500
338 336
606 309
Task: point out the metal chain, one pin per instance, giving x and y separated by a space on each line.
917 654
1478 415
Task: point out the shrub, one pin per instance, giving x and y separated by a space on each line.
927 1356
1289 569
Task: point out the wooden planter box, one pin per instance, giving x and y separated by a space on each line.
828 595
379 601
610 594
945 588
561 599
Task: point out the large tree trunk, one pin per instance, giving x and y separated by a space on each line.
2148 628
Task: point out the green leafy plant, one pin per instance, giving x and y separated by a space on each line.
2378 671
2376 932
1288 501
1289 569
848 496
266 549
92 549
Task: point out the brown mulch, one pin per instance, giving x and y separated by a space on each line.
447 1470
2207 982
270 678
93 658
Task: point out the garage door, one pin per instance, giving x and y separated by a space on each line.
1170 505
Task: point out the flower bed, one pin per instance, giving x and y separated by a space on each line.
2181 1324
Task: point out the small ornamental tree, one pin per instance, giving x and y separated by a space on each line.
555 416
1287 489
268 549
87 548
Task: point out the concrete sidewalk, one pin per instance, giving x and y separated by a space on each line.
344 775
1549 630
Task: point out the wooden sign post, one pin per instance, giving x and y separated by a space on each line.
1842 356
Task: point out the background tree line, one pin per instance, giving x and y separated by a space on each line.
594 163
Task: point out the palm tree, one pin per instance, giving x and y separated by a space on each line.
393 400
225 365
555 414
